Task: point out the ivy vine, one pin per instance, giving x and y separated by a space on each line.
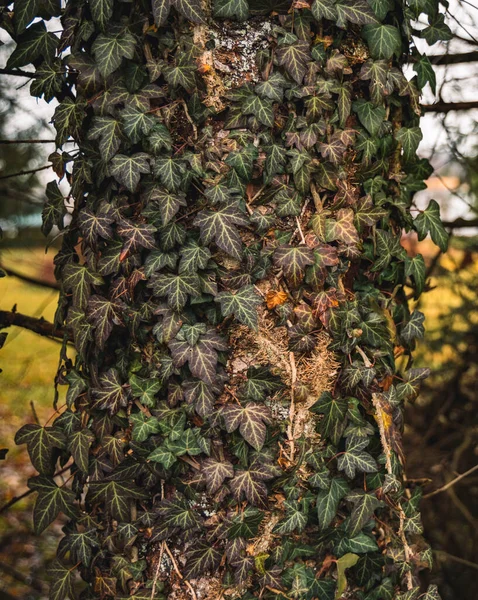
232 277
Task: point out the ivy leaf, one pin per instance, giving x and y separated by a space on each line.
260 382
437 31
110 393
78 279
63 579
177 288
116 497
127 169
273 88
176 512
342 228
228 9
145 390
328 501
355 458
409 387
295 519
369 115
101 11
81 546
410 138
137 123
428 221
136 235
201 358
201 559
48 81
365 505
354 11
261 109
161 10
171 172
293 260
68 117
110 48
94 226
215 473
334 411
40 442
242 304
220 227
383 40
415 267
249 483
102 313
191 9
294 59
54 208
50 502
243 161
324 9
431 593
425 73
79 443
25 12
345 562
202 396
143 426
193 257
180 75
36 41
251 420
414 328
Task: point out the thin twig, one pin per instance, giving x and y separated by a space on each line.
28 279
461 561
450 483
27 142
180 575
30 172
156 572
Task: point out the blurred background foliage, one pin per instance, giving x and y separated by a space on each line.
441 431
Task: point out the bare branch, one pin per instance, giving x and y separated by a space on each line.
40 326
20 173
461 223
28 279
450 483
27 141
453 59
446 107
18 73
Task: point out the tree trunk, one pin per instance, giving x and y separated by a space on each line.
235 285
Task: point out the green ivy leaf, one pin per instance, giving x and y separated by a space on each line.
342 228
127 170
215 473
437 30
116 497
25 12
428 221
191 9
78 444
383 40
415 267
242 304
295 519
410 138
136 123
177 288
36 41
260 382
101 11
354 11
68 117
272 88
201 358
343 563
251 421
145 390
54 208
425 73
294 59
414 328
371 117
40 443
143 426
63 579
110 393
51 500
110 48
201 559
334 411
328 501
365 505
293 260
324 9
161 10
108 131
228 9
220 227
355 458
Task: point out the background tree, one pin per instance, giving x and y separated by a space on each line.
233 280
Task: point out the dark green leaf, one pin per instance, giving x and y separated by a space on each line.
428 221
242 304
